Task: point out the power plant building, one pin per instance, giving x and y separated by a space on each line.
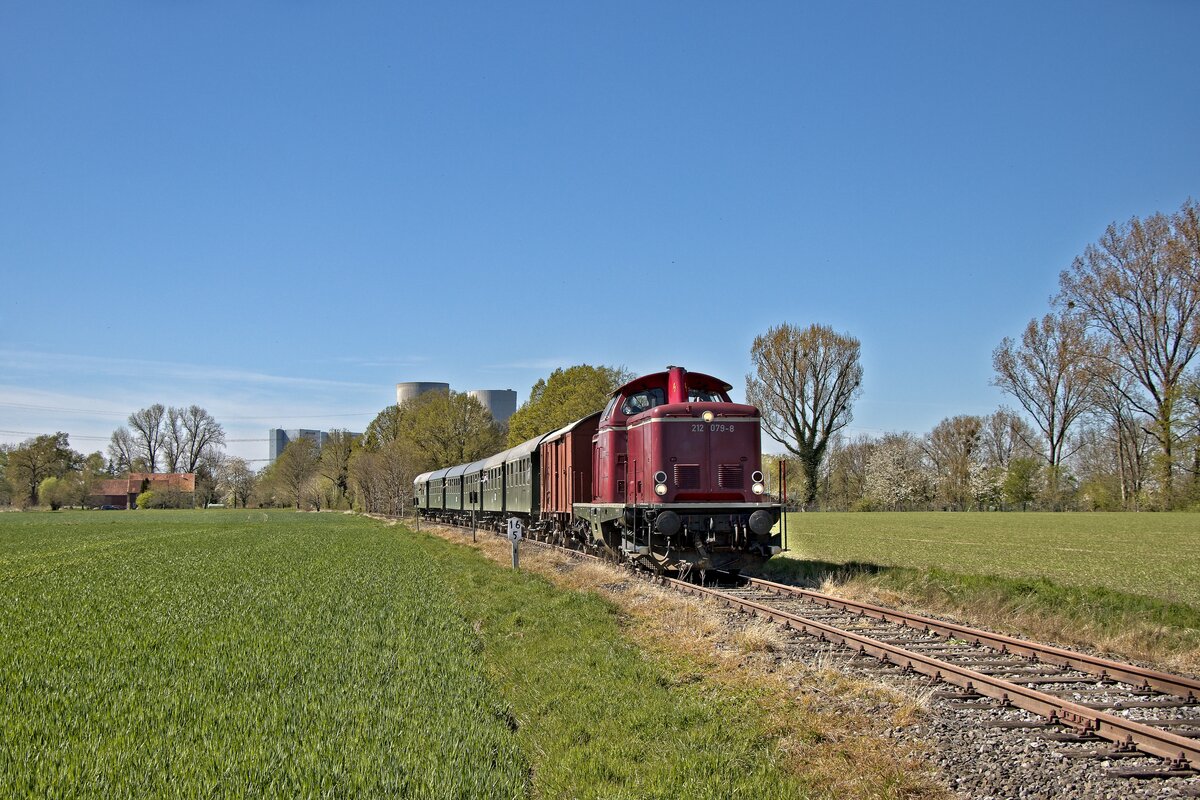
502 403
414 389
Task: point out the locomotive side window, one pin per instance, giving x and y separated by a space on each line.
608 409
643 400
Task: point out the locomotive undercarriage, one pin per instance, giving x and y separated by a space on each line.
680 539
691 543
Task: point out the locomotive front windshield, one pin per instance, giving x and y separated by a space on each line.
706 396
646 399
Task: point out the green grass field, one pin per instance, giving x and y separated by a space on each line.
1157 555
1128 584
235 654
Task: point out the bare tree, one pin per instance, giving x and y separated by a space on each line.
202 436
1050 375
803 384
382 479
147 432
296 469
238 480
844 475
335 462
173 439
122 450
1125 432
953 447
1006 436
1139 286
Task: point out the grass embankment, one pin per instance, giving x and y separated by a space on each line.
241 653
825 732
1128 584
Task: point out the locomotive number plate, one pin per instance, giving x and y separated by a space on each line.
715 427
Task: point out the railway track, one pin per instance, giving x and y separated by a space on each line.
1110 710
1136 711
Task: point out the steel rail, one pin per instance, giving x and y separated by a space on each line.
1181 686
1181 751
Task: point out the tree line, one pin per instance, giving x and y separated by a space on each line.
1105 390
45 470
1107 396
375 473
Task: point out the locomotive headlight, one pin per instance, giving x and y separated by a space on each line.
758 488
660 483
660 489
707 416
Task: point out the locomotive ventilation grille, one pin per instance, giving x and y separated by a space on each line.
687 476
729 476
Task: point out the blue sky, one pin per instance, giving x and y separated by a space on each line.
279 210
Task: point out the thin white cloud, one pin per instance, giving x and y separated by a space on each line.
26 361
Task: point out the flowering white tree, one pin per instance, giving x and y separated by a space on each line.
896 474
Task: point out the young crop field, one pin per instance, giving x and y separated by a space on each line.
1156 555
1121 583
234 654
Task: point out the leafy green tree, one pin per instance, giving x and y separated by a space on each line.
384 428
804 382
37 459
567 395
449 428
1023 481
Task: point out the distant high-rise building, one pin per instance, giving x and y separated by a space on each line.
278 439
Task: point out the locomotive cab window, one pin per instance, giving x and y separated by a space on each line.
641 401
706 396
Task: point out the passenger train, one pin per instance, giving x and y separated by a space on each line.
668 476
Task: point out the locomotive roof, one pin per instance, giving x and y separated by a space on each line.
695 380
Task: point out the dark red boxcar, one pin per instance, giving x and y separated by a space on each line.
566 463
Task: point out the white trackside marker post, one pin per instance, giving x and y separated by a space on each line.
514 535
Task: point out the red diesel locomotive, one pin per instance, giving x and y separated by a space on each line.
668 475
